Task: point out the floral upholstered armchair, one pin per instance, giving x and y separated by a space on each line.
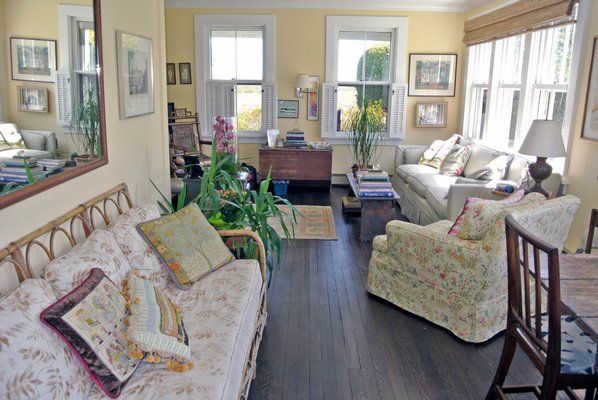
459 280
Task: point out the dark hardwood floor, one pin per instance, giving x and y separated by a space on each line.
327 338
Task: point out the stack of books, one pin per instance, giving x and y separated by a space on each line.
295 139
14 170
51 164
374 184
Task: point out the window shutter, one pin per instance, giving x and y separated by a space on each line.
398 112
220 100
329 93
269 103
63 98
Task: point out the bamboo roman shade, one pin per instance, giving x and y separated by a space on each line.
518 18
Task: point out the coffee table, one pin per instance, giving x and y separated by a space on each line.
375 212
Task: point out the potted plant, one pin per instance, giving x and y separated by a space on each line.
84 122
365 133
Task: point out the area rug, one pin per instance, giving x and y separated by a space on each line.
317 222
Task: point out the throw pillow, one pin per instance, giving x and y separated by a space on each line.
156 326
455 162
35 364
139 254
471 201
10 138
495 169
90 320
438 151
187 244
99 250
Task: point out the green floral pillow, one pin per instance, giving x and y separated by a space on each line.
187 244
438 151
454 163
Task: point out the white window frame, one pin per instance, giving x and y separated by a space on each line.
396 121
203 25
68 16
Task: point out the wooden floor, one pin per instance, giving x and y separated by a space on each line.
327 338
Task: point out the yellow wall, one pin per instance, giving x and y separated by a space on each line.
300 47
583 167
137 147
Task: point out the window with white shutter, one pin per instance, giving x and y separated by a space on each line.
235 68
365 62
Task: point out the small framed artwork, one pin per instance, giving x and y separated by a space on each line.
432 74
288 109
32 99
590 118
185 73
430 115
33 59
135 74
170 74
312 98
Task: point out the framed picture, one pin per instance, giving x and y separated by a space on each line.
185 73
432 74
288 109
170 74
590 118
32 99
135 74
33 59
430 115
312 98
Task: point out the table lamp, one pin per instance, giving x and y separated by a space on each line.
543 140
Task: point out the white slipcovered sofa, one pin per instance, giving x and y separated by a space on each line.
427 196
224 312
33 143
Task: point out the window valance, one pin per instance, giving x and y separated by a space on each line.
515 19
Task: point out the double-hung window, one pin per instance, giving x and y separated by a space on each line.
510 82
235 60
365 62
77 80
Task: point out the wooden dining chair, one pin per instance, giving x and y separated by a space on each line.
593 226
564 355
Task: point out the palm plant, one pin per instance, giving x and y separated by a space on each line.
85 124
365 133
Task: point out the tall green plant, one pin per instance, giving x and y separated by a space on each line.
365 133
85 124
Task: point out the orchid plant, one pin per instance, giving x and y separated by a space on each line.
225 135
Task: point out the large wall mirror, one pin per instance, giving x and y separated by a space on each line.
51 95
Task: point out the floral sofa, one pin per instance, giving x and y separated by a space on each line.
224 312
452 280
437 189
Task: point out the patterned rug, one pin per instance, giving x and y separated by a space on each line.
317 222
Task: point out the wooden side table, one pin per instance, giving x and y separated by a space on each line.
301 166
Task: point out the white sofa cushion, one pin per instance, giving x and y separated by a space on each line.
479 158
219 311
437 197
406 170
421 182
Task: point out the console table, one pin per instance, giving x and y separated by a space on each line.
309 167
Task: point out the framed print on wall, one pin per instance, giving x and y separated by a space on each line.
170 74
288 109
312 98
32 99
33 59
432 74
590 118
185 73
431 115
135 75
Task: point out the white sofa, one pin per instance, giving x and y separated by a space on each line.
36 144
426 196
224 312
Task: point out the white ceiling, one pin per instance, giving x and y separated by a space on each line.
404 5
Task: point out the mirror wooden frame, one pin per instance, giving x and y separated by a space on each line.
52 181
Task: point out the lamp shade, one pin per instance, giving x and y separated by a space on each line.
302 81
544 139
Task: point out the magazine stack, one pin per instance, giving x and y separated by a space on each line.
374 184
14 171
295 139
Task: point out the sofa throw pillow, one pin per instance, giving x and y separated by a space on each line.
155 326
495 169
187 244
139 254
471 201
29 350
90 320
10 138
99 250
454 163
438 151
